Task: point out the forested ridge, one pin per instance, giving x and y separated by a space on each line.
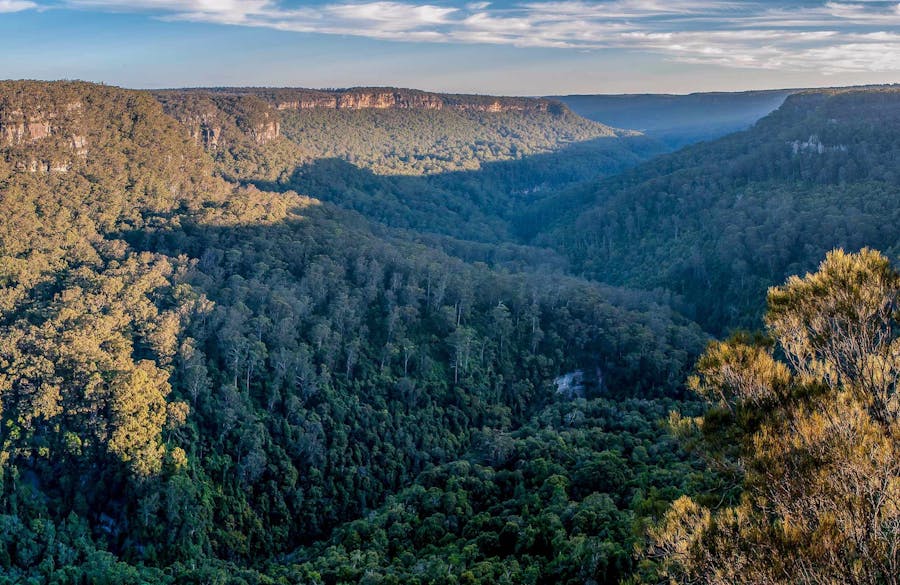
460 170
719 222
247 338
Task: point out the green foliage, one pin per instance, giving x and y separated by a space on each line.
482 204
815 445
463 173
562 499
416 142
304 360
241 132
200 378
208 378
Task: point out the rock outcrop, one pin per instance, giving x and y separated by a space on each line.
389 98
266 129
204 132
114 147
19 125
216 120
40 136
224 117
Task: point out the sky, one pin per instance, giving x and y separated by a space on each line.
512 47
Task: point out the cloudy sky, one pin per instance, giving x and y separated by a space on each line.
528 47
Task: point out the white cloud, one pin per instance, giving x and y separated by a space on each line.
832 36
864 13
392 13
7 6
217 11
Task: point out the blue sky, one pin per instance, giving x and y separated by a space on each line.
527 47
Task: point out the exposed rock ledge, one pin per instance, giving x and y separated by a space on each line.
215 119
55 127
361 98
18 126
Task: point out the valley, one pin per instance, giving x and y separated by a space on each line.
275 335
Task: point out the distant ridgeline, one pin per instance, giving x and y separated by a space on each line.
382 98
206 377
718 223
454 165
208 112
679 120
389 131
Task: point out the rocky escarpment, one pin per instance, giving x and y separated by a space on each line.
99 149
355 100
215 119
480 103
361 98
229 117
40 135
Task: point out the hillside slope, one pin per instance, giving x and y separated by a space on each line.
451 165
720 222
386 130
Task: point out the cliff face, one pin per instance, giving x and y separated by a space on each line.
202 119
16 127
266 129
231 117
383 100
41 135
92 146
216 120
478 103
358 100
204 128
390 98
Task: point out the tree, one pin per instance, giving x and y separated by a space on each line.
816 440
138 408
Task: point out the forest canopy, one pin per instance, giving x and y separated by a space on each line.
244 341
206 380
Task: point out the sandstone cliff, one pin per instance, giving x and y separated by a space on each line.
214 119
226 118
41 133
390 98
113 147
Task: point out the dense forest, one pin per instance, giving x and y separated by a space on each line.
460 173
719 222
255 336
199 376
